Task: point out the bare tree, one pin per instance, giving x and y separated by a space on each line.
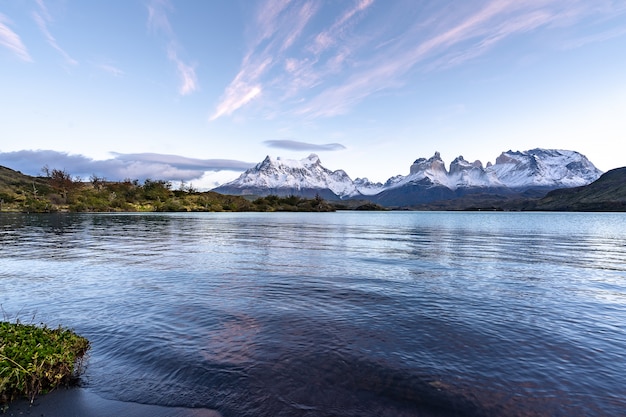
97 182
62 182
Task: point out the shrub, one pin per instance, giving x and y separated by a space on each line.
37 359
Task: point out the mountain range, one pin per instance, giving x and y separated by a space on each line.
528 173
527 185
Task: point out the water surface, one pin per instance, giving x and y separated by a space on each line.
334 314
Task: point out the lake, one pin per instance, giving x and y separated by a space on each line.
334 314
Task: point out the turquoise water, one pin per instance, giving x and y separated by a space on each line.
334 314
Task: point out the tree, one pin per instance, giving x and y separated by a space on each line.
97 182
156 190
62 182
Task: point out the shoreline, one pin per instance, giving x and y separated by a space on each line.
69 402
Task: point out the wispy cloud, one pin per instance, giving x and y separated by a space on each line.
110 69
157 16
237 95
136 166
464 36
313 66
42 19
294 145
278 26
331 36
597 37
12 41
186 72
158 22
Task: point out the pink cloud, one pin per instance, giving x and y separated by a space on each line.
12 41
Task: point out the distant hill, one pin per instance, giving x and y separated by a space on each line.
607 193
16 187
10 179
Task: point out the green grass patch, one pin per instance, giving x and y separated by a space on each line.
36 359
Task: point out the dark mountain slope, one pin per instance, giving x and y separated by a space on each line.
607 193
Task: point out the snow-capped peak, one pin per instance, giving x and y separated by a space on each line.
290 175
536 168
278 163
551 168
544 168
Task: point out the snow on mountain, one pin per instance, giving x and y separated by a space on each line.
433 171
284 176
471 174
549 168
366 187
544 168
516 171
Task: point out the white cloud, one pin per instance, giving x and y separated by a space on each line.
111 69
236 97
294 145
187 73
267 19
436 47
42 18
331 36
121 166
278 27
12 41
158 21
315 70
597 37
157 16
245 87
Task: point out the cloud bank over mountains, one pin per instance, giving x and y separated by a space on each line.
121 166
205 173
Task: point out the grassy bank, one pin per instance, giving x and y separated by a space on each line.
36 359
60 192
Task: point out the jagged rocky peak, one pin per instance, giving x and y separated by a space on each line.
274 165
396 179
536 168
312 159
366 182
508 158
264 163
460 164
289 176
531 157
367 187
434 163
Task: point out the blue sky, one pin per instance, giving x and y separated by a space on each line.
200 90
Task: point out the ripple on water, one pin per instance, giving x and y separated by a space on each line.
386 314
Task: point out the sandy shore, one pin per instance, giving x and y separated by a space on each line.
80 402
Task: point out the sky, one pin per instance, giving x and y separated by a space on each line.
199 91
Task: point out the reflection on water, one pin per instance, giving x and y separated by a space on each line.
335 314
